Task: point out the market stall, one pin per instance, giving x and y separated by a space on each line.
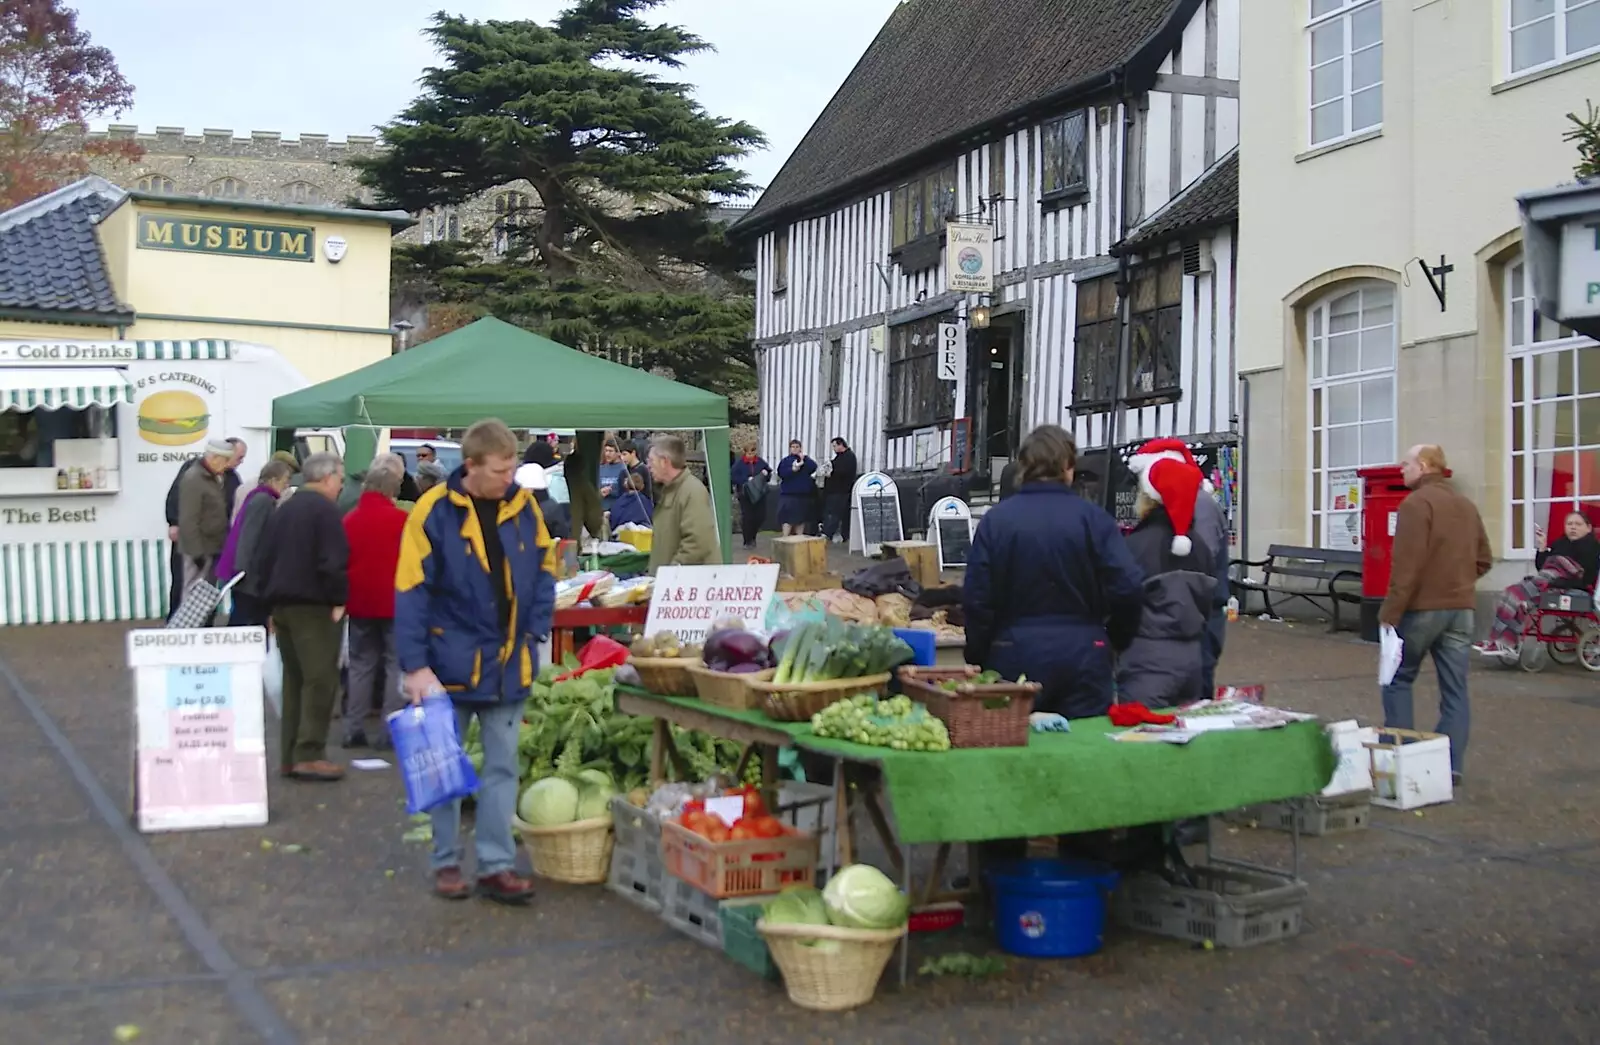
493 369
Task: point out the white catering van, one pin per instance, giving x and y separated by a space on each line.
91 435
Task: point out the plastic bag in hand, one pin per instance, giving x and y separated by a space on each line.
1391 650
435 769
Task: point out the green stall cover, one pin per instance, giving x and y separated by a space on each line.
493 369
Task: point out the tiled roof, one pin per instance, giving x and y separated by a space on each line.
50 259
942 70
1210 200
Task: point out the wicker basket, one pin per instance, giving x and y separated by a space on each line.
726 689
579 854
798 701
825 979
975 716
665 676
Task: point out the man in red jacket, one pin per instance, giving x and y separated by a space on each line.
373 528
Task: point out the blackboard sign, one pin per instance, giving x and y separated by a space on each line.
877 513
961 446
880 519
955 541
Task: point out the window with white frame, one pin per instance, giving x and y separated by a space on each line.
1346 50
1545 32
1553 431
1351 341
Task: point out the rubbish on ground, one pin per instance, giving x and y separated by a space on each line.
368 764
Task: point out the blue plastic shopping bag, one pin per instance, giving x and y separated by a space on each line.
435 769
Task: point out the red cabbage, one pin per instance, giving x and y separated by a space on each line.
733 646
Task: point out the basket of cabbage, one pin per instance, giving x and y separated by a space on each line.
832 946
565 820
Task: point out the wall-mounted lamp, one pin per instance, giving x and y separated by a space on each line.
978 317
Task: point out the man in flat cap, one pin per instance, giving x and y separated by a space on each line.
203 513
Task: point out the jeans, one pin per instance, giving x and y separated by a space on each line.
374 671
499 726
1447 634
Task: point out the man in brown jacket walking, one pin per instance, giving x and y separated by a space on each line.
1440 551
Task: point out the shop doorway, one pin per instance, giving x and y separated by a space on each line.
1002 379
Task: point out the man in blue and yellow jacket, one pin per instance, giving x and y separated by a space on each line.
474 596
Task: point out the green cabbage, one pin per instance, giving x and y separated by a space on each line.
801 905
798 905
595 790
863 897
549 802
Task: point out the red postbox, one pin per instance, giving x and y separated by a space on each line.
1383 487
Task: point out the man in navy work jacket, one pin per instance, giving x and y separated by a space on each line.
474 596
1048 576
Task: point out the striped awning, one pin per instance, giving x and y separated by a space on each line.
45 388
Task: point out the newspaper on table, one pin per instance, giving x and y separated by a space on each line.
1211 716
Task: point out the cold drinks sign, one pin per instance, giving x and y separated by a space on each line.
199 729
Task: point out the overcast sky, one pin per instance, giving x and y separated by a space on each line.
340 67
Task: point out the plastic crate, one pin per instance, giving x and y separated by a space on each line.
808 808
741 941
637 874
699 916
727 869
1317 815
1228 907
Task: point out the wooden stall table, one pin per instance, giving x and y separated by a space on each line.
569 620
1059 784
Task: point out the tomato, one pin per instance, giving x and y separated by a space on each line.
696 821
753 805
716 831
742 833
768 827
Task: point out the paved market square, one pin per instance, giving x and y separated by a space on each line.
1473 921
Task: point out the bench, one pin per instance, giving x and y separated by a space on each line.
1336 573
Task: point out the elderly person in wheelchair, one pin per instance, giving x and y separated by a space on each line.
1567 567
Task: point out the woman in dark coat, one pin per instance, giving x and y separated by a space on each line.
1162 663
1047 575
797 490
749 476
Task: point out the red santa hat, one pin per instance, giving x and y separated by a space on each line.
1169 476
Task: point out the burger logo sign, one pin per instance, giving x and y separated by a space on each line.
174 410
173 418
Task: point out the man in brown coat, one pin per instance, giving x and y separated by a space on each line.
1440 551
685 523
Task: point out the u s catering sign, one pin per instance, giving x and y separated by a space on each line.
969 259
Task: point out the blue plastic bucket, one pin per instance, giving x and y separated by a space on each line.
924 645
1051 908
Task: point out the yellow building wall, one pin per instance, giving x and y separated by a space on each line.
1460 139
21 330
352 293
271 301
317 354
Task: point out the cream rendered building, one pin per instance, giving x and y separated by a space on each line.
1383 300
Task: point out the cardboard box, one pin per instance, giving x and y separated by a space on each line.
1410 769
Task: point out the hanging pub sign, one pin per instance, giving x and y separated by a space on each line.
969 259
952 351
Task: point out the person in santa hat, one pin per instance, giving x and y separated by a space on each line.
1211 523
1162 664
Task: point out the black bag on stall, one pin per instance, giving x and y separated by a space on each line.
889 577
